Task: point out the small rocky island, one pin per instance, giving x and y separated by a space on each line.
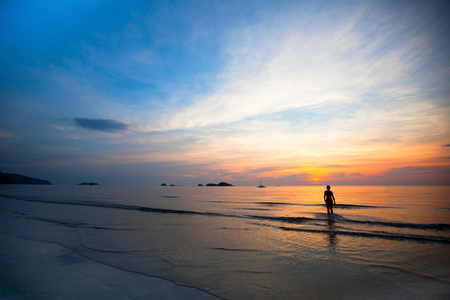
88 183
9 178
219 184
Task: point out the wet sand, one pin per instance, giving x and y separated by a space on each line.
41 270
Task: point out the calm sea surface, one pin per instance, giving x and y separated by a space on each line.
248 243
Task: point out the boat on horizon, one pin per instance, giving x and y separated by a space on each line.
260 184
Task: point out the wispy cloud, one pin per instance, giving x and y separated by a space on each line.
284 65
104 125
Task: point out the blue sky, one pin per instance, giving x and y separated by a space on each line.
187 92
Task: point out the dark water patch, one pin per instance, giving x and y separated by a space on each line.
235 228
58 222
337 220
234 249
226 202
380 235
169 197
271 203
173 211
350 206
344 206
75 224
108 251
283 219
437 226
252 208
127 207
108 228
253 272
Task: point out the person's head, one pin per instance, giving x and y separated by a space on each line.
328 187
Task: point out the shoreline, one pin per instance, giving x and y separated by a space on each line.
45 270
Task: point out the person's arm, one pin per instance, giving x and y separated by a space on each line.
334 200
325 195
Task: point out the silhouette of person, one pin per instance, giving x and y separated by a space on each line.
329 200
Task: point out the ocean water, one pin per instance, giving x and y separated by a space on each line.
383 242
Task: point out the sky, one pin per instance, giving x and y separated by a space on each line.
189 92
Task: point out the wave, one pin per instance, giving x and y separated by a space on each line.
74 224
383 235
107 251
63 223
437 226
274 203
234 249
121 206
253 208
293 220
345 206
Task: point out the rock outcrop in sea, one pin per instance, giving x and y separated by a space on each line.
9 178
219 184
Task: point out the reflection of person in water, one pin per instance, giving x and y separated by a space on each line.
332 235
329 200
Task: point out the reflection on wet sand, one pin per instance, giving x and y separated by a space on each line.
332 238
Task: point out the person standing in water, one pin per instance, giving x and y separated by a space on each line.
329 200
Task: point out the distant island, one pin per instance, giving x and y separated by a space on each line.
8 178
219 184
88 183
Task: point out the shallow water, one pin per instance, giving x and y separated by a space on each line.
250 243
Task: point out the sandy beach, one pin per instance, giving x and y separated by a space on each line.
41 270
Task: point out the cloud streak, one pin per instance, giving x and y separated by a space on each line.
275 67
105 125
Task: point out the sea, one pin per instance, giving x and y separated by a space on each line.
383 242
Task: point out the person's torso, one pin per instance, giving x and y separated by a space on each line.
328 195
